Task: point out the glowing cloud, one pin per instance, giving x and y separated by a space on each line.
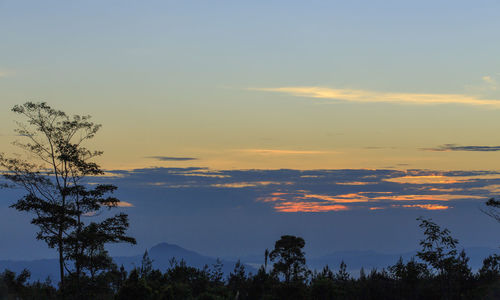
353 95
303 201
247 184
120 204
443 197
435 189
439 179
346 198
427 206
206 175
354 183
358 197
308 207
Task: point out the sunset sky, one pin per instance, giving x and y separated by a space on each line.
407 88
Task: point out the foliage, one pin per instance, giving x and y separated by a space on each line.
289 257
61 202
53 177
492 209
410 279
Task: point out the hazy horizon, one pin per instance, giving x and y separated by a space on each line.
227 124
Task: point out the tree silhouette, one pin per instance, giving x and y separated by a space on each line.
53 179
439 250
492 209
289 257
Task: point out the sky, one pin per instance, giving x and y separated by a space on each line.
230 86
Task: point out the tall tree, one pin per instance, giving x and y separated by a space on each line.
439 248
289 257
53 178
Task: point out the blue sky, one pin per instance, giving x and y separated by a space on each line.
208 79
263 92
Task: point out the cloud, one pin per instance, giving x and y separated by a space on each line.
125 204
354 183
248 184
302 201
488 79
443 197
346 198
281 151
440 178
427 206
366 96
454 147
493 188
308 207
328 191
120 204
172 158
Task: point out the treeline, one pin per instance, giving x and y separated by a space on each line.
74 218
439 271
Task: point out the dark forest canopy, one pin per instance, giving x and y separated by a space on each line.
439 271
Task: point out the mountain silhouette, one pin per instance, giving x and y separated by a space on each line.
161 255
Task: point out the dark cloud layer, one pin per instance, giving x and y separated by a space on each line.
310 191
235 212
454 147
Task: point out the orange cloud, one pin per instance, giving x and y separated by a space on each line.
444 197
427 206
345 198
119 204
354 197
248 184
440 179
205 175
429 179
354 183
270 199
305 201
308 207
443 190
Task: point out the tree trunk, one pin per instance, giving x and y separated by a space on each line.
61 262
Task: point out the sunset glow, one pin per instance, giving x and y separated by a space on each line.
221 126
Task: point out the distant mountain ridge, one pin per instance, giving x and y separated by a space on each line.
162 254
